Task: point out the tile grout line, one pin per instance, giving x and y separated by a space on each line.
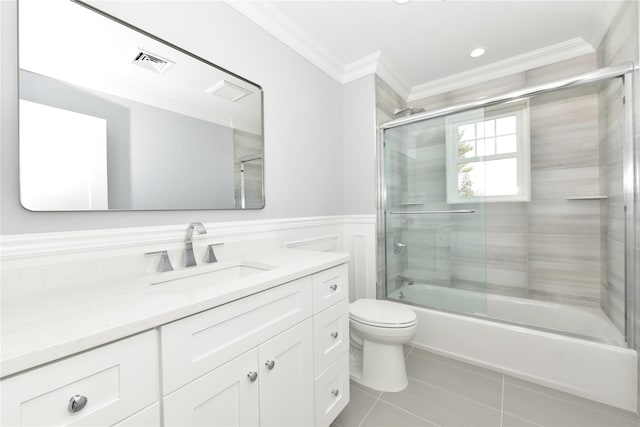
410 413
453 393
370 409
502 404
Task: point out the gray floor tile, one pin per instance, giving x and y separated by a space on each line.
384 415
450 377
573 399
462 365
366 389
442 407
359 406
511 421
548 411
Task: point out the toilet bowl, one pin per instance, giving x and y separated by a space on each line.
378 330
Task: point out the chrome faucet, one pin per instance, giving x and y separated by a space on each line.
401 280
190 258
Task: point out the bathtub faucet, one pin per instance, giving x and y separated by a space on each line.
401 280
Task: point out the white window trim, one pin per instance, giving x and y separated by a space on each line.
521 110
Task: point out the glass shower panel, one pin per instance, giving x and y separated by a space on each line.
435 248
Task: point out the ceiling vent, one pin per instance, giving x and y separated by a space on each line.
228 90
152 62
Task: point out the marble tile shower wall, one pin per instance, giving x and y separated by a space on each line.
386 101
547 249
619 46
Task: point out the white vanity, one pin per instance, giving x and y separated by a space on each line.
269 348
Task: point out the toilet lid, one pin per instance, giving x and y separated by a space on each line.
381 313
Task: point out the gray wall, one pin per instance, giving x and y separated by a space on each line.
303 118
359 150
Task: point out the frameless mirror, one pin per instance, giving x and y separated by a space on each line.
114 118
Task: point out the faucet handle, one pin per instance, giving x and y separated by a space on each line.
165 263
211 256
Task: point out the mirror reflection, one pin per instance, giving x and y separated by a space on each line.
112 118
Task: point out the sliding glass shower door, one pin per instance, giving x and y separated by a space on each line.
434 214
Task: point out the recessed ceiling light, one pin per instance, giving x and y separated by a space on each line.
479 51
401 2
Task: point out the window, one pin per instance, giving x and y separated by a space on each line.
488 155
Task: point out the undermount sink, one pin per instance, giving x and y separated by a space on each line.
219 272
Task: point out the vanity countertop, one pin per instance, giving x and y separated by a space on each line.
57 323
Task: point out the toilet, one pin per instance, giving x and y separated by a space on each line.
378 330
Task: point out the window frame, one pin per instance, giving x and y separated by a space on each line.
518 108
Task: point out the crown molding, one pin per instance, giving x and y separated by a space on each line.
362 67
274 22
536 58
387 73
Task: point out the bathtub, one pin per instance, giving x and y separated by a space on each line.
599 368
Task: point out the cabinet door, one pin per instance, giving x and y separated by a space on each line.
227 396
286 378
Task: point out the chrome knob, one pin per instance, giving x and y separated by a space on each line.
335 392
77 403
270 364
333 287
252 376
334 334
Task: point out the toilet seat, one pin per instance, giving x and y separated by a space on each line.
381 314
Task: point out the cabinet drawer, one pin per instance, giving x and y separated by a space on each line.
193 346
332 391
329 287
330 335
117 379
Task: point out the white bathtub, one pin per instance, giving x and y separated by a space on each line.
603 372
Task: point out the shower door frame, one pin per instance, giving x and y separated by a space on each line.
631 174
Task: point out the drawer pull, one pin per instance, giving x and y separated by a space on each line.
333 287
77 403
334 334
270 364
335 392
252 376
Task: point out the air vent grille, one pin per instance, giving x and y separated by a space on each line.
152 62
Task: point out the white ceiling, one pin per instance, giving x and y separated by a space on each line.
428 41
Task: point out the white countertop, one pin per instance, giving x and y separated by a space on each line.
38 327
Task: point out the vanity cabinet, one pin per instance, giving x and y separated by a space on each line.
113 384
276 358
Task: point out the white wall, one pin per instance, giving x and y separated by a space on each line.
302 112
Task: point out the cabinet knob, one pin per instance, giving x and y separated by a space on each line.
334 334
77 403
335 392
333 287
270 364
252 376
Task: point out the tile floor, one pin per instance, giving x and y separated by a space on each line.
445 392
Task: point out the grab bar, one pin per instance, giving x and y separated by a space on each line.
461 211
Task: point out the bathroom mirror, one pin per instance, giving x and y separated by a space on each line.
113 118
